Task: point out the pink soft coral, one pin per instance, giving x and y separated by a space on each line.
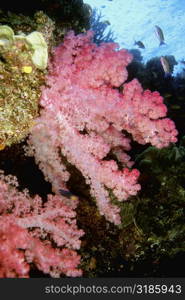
29 230
84 118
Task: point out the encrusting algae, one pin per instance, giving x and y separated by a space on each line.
23 59
25 41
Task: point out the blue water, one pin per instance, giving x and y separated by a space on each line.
136 19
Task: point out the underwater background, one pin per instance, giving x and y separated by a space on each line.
150 241
135 21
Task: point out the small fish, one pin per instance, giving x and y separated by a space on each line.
68 194
139 44
106 22
165 65
160 35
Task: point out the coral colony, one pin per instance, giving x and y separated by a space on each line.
84 118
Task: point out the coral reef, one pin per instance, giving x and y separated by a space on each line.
99 27
93 112
26 38
44 16
35 232
83 118
21 58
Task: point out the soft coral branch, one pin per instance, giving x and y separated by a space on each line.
33 232
85 117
